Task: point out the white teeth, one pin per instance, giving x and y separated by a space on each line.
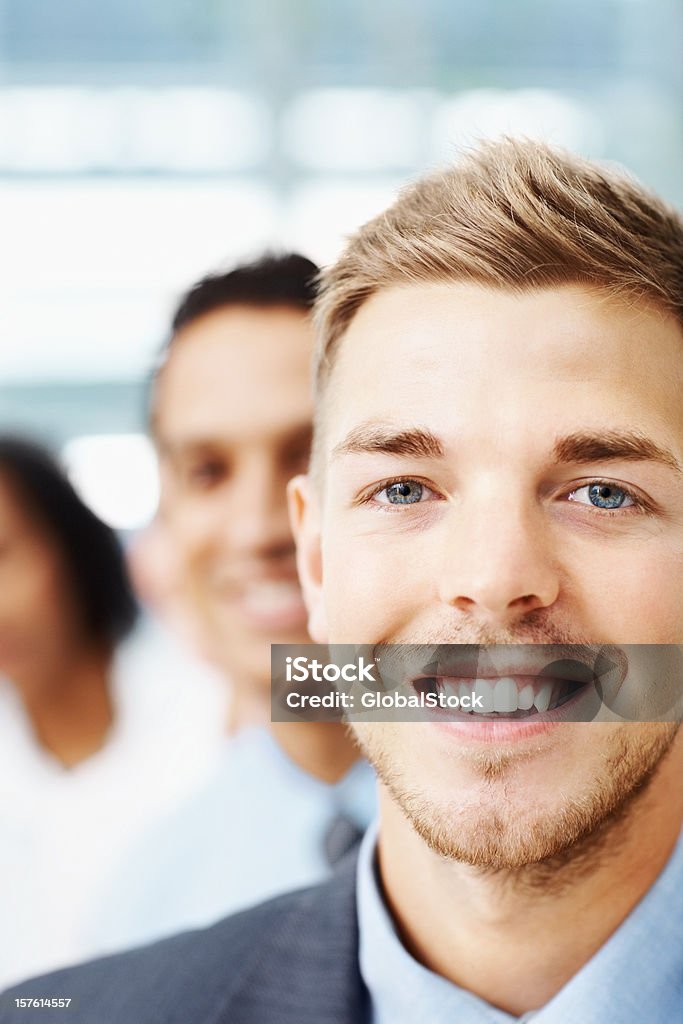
500 696
450 689
505 695
271 596
483 688
542 698
525 698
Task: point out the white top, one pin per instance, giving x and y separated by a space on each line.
62 830
256 828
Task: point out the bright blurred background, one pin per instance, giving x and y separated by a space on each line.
145 142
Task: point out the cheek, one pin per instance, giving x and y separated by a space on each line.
633 597
197 530
34 595
373 585
652 690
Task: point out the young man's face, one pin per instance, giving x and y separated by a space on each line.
501 468
233 423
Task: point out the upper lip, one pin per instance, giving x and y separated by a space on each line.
579 663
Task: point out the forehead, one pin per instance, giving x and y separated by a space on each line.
486 361
236 372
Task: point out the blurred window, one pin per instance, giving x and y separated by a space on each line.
143 144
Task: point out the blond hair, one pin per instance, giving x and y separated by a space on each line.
516 215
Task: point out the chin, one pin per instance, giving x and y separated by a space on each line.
251 666
496 828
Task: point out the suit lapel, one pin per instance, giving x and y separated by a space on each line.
306 971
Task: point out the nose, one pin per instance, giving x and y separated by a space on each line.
497 566
256 521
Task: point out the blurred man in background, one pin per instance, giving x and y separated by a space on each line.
156 571
88 726
231 418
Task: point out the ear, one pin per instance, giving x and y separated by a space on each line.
305 520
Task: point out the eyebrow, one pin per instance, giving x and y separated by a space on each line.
199 443
190 447
378 438
612 446
631 446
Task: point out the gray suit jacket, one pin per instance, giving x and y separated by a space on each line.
293 960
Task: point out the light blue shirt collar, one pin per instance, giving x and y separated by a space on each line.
635 978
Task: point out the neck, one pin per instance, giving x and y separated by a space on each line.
459 920
69 706
248 707
324 750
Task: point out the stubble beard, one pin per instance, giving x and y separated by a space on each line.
552 848
549 851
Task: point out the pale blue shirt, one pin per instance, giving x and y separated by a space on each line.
257 828
635 978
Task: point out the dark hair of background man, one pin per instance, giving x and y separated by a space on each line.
272 280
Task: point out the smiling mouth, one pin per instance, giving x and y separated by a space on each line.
504 697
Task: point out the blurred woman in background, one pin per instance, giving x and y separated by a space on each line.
101 730
65 604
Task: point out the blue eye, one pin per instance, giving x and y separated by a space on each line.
403 492
606 496
398 493
603 495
